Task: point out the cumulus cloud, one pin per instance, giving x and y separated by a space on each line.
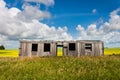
82 32
18 24
108 32
46 2
32 12
2 37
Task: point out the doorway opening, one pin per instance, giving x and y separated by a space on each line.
59 50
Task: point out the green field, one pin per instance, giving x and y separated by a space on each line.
60 68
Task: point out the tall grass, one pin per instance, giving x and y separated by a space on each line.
60 68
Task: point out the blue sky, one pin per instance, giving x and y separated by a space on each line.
77 11
75 19
70 13
73 12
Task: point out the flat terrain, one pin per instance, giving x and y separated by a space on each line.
60 68
111 51
9 53
14 52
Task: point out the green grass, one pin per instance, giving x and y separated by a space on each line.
60 68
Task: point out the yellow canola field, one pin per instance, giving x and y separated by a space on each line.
111 51
15 52
9 53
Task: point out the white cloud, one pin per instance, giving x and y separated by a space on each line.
113 24
82 32
94 11
115 20
13 12
16 24
33 12
2 37
108 32
2 4
92 29
46 2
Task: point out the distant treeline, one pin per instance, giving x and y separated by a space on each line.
2 47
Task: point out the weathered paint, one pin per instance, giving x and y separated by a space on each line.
82 48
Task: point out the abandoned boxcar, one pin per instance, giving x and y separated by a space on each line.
61 48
